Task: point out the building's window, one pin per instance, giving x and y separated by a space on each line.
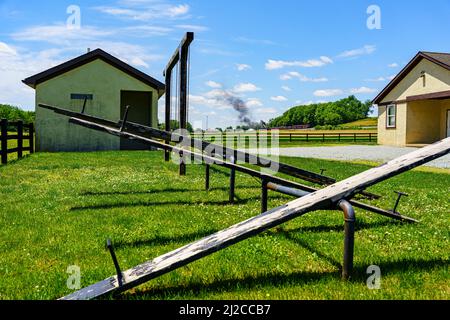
391 116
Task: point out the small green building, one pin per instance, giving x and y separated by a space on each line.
107 85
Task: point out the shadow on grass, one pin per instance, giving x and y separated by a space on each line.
360 225
168 190
288 234
159 203
164 240
282 279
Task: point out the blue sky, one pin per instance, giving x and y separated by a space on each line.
272 54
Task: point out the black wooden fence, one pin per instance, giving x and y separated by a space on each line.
296 136
17 130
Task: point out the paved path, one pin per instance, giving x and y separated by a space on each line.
371 153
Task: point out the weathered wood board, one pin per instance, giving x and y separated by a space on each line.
321 199
224 163
174 137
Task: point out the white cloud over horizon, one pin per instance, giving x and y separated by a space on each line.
328 92
279 98
279 64
301 77
362 90
242 67
245 87
365 50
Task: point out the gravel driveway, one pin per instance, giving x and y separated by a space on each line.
372 153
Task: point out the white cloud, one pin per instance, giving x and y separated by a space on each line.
213 84
245 87
254 102
59 34
362 90
279 64
278 98
136 55
380 79
266 110
7 50
242 66
16 65
286 88
304 103
217 94
376 79
367 49
192 27
209 102
143 31
393 65
216 51
146 10
73 40
301 77
254 41
328 92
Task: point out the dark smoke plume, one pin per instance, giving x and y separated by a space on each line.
240 106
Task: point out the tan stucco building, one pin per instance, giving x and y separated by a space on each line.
414 108
104 85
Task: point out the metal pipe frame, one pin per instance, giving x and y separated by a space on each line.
264 194
322 199
167 136
349 237
211 160
181 55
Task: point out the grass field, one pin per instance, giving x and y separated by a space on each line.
58 209
13 144
363 123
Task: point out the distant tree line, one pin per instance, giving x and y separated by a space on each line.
174 124
12 113
324 114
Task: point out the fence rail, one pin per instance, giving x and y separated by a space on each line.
283 137
19 136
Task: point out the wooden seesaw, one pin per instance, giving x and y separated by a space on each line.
148 135
335 196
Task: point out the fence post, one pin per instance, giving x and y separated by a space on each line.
354 137
307 137
290 137
323 137
4 142
19 139
31 137
232 182
370 137
207 177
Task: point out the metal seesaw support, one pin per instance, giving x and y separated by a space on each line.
349 237
220 162
322 199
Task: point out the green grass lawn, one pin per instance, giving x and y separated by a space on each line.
58 209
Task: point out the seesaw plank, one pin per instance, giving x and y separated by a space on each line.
321 199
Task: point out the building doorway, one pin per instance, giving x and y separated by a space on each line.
140 111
